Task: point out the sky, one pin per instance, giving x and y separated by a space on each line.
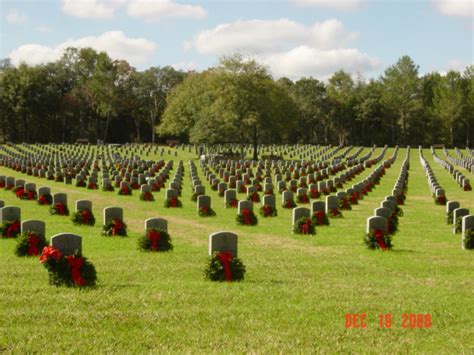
294 38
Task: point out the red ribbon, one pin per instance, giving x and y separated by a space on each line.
50 252
306 226
154 237
86 216
335 212
225 258
13 229
173 202
33 241
314 193
319 216
247 216
19 192
267 210
117 226
378 233
75 264
60 208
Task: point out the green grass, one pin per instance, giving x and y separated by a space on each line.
294 298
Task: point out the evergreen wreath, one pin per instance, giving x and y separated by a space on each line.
147 196
335 213
59 209
304 225
233 203
45 199
254 197
173 202
30 244
115 227
302 198
222 266
377 239
10 229
155 240
469 239
206 212
247 218
83 216
125 191
289 203
268 211
320 218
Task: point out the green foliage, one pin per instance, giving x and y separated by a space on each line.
163 243
26 247
214 270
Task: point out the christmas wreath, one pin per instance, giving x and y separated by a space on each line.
304 225
449 217
354 198
293 188
469 239
221 192
401 199
289 203
398 211
83 216
344 204
10 187
2 184
80 183
59 209
314 193
377 239
155 240
147 196
254 197
325 191
393 224
10 229
268 211
302 198
233 203
440 200
195 196
108 188
28 195
135 186
222 266
458 228
173 202
467 187
320 218
30 244
115 227
18 191
269 192
242 189
335 213
45 199
206 212
92 186
71 270
125 191
247 218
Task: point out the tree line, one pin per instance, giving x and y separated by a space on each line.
86 94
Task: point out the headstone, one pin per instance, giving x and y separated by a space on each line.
451 206
269 200
467 224
10 213
170 193
299 212
60 198
223 242
44 191
203 201
245 204
32 225
377 222
111 213
156 223
83 205
458 212
332 203
318 206
67 243
229 195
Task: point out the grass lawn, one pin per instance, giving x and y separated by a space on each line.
295 295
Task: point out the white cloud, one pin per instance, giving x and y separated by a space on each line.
115 43
185 66
44 29
455 7
152 11
306 61
255 36
94 9
343 5
14 17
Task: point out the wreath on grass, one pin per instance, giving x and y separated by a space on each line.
80 183
458 228
233 203
247 218
320 218
28 195
393 224
147 196
335 213
10 229
304 225
125 191
467 187
377 239
173 202
314 193
401 199
2 184
449 217
344 204
325 191
116 227
469 239
45 199
59 209
10 187
222 266
354 198
92 186
71 270
289 203
155 240
84 216
135 185
30 244
254 197
302 198
440 200
206 212
18 191
108 188
268 211
242 189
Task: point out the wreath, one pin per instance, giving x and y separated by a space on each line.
242 189
59 179
393 224
108 188
221 192
254 197
45 199
458 228
155 240
84 216
2 184
71 270
222 266
335 213
147 196
30 244
449 217
293 188
206 212
344 204
467 187
469 239
10 187
325 191
135 186
401 199
28 195
59 209
268 211
269 192
247 218
314 193
125 191
304 225
354 198
80 183
320 218
10 229
289 203
377 239
195 196
173 202
440 200
233 203
18 191
302 198
92 186
115 227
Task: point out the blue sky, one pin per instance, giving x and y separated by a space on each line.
294 38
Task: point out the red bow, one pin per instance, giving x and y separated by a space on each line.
33 241
60 208
225 258
75 264
117 226
154 237
19 192
13 229
173 202
50 252
86 216
335 212
306 226
267 210
247 216
319 215
378 233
